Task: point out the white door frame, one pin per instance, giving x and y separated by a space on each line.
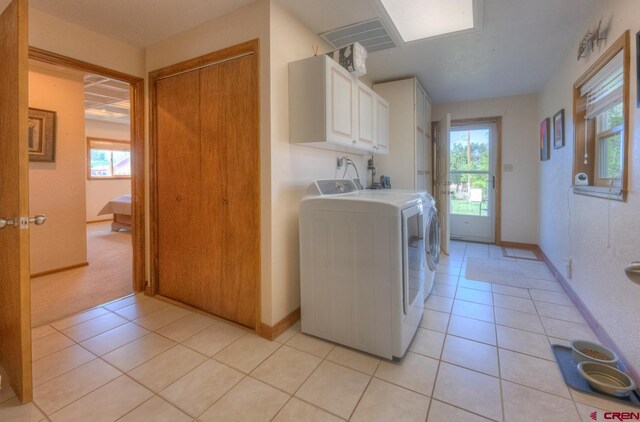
497 169
484 230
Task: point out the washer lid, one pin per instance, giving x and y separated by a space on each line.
326 195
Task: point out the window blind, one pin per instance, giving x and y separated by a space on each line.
114 146
604 89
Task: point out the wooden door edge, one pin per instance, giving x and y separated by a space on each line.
137 149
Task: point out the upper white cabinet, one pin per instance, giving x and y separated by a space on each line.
366 116
409 163
341 127
382 126
331 109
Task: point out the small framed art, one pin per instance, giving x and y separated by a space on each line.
544 139
558 129
42 135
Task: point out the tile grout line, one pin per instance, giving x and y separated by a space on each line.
502 409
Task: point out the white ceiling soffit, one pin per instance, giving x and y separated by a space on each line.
519 46
138 22
106 99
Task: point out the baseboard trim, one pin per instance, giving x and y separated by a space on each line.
59 270
593 323
272 333
525 246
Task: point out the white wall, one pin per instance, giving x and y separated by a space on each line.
600 250
294 167
57 189
520 149
99 192
244 24
55 35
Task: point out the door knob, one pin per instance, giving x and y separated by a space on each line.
23 222
4 223
633 271
38 220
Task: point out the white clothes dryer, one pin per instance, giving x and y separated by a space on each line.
367 262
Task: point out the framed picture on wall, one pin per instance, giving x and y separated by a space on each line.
558 129
42 135
545 127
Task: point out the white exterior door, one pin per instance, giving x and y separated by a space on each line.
472 175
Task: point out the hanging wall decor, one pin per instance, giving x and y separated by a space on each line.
42 135
590 39
558 129
544 139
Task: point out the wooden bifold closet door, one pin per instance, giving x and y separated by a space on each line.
207 184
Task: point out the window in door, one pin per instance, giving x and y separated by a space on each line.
471 184
108 159
470 171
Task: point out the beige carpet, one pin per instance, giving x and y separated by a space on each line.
107 277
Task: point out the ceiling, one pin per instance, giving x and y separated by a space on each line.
137 22
106 99
514 53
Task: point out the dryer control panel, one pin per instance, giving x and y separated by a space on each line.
335 186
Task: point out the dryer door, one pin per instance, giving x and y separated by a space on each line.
413 255
433 239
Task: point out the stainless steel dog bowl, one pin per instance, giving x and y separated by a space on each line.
578 345
606 379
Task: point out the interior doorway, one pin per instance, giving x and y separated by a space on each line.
474 180
110 142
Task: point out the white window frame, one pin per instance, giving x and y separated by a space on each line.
109 145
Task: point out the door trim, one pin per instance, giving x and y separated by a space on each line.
235 51
15 303
497 120
137 149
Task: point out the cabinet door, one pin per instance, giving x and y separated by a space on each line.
366 117
340 105
382 126
420 109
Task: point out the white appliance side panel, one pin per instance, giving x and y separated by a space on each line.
321 293
343 278
346 275
374 279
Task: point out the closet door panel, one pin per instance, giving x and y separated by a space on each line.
240 131
178 187
215 172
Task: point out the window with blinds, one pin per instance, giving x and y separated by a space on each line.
601 117
108 159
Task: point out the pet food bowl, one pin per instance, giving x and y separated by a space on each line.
587 351
606 379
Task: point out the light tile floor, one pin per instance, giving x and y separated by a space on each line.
481 353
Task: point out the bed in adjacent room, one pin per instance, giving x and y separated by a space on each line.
121 210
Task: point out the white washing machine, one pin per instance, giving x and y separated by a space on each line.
367 262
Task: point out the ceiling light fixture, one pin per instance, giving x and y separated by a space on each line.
416 20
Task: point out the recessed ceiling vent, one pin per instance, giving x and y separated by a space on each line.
371 34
